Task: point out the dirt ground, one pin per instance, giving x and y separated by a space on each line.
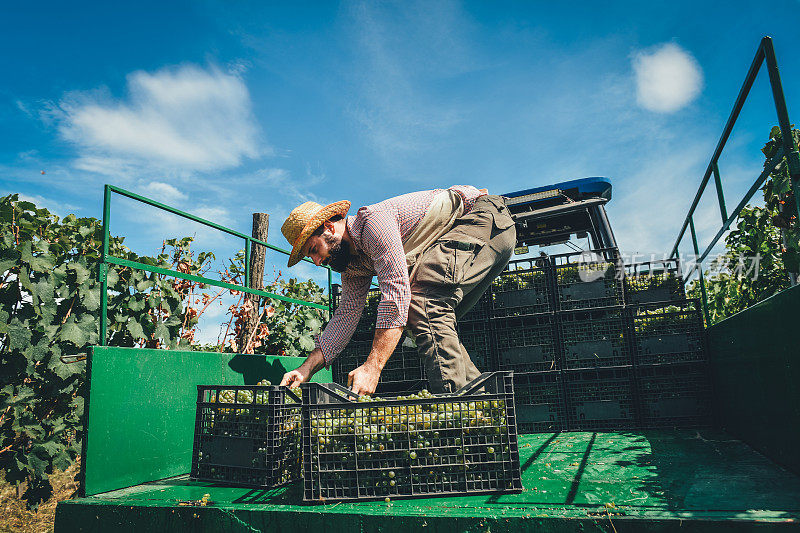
14 517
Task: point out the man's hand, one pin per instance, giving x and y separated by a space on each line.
304 372
294 378
364 379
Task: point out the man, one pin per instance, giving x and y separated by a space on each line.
434 254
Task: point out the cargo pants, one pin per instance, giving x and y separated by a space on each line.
449 278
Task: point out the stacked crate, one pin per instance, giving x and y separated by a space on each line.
668 344
247 435
594 339
653 281
672 381
560 332
525 336
593 344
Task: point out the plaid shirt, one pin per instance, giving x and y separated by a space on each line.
378 232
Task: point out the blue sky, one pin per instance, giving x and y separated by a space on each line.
223 109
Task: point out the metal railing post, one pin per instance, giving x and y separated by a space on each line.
789 146
103 273
720 196
699 265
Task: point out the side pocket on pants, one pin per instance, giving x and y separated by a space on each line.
445 263
435 265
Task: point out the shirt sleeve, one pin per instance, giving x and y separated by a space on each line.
340 328
383 244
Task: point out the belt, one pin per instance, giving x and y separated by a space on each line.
460 245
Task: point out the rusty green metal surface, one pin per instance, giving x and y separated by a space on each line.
141 408
681 480
755 371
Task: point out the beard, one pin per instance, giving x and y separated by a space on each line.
338 254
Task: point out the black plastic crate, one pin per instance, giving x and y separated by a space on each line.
600 399
594 339
654 281
366 324
540 402
668 332
405 447
476 337
523 289
674 395
404 365
390 388
365 329
588 280
526 344
247 435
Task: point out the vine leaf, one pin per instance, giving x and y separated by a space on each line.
72 332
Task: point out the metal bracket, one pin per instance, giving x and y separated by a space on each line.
74 358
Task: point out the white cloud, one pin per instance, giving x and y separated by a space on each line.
163 192
28 155
184 118
59 208
25 108
216 214
667 78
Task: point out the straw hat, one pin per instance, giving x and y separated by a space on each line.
306 218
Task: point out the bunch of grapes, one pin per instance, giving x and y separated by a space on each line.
663 320
652 281
584 271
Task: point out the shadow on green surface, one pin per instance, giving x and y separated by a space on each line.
288 495
254 368
704 469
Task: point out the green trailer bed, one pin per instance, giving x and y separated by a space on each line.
141 414
687 480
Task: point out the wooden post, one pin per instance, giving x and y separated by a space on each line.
257 259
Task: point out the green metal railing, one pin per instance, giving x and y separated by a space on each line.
765 53
108 259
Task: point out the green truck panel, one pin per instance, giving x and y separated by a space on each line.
755 371
141 408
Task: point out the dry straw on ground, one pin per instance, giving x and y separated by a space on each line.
14 517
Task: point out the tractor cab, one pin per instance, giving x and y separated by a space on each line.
555 214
